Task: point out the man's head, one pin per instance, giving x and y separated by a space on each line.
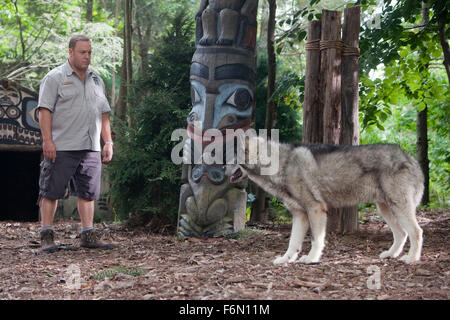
80 52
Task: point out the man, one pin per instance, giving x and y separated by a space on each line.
73 113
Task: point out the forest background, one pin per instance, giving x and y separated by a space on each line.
143 51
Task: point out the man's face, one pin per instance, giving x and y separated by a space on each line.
80 56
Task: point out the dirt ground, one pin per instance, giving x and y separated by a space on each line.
153 266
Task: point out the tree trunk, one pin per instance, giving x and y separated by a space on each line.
312 106
271 114
89 7
422 132
121 107
330 86
350 99
445 46
128 13
113 76
144 45
259 209
126 74
422 152
19 22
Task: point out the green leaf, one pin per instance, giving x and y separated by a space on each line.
301 35
404 52
436 53
421 106
379 126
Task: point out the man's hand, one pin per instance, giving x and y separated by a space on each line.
45 123
107 153
49 150
106 136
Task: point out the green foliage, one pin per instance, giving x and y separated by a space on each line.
278 212
40 42
144 179
116 270
405 48
400 128
288 97
407 55
293 24
400 21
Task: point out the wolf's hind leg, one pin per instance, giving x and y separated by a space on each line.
398 232
300 226
318 220
407 219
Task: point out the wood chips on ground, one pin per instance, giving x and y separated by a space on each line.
145 265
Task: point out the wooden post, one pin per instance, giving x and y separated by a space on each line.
330 110
350 98
330 88
312 105
330 70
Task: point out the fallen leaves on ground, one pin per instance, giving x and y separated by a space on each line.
154 266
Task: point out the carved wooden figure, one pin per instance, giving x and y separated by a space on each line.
222 79
223 15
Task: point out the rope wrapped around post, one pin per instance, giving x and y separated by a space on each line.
332 44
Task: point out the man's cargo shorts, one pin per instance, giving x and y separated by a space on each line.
78 172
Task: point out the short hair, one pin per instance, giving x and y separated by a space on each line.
74 39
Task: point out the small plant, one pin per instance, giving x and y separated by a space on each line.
112 272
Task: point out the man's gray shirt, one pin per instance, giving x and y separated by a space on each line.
76 108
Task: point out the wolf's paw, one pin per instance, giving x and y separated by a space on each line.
293 258
281 260
308 260
408 259
385 254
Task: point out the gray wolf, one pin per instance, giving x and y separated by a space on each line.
312 178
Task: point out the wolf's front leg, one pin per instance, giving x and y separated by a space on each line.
300 226
318 220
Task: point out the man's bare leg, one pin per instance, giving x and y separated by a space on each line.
48 209
86 212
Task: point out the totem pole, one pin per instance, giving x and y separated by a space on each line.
222 80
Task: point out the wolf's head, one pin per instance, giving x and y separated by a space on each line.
257 156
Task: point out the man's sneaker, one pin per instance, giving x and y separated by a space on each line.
89 239
47 241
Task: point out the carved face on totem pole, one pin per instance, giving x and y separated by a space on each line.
222 77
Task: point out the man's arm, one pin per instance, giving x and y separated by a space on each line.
106 136
45 123
48 94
